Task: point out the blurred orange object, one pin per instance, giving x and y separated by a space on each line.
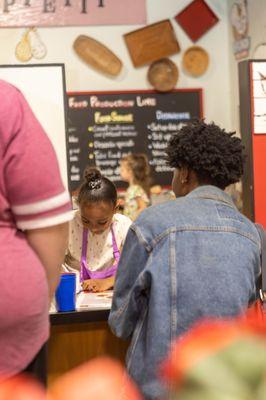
100 379
204 340
21 387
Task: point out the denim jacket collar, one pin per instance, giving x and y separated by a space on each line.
212 193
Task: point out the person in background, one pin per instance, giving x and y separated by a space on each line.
34 210
97 233
186 259
135 170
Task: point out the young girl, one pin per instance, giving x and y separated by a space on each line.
97 233
135 169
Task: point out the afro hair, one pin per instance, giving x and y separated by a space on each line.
214 155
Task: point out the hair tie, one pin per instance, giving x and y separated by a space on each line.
94 184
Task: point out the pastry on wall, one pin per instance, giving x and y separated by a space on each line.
163 75
30 46
195 61
97 55
23 49
38 48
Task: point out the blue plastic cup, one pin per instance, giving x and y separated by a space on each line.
65 295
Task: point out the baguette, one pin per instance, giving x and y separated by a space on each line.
97 55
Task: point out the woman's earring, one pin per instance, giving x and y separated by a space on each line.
184 181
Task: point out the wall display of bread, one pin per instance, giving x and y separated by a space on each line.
152 43
38 49
97 55
23 49
30 46
163 75
195 61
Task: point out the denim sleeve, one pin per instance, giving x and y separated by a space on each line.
131 285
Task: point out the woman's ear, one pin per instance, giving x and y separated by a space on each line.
117 205
184 175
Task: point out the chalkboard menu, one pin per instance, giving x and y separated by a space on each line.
104 127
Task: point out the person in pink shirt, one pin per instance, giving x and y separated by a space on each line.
34 210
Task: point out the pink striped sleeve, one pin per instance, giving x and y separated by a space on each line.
34 188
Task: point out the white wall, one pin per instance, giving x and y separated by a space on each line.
216 82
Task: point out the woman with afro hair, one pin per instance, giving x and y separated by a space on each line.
190 258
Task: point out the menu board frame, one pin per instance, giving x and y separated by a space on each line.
142 115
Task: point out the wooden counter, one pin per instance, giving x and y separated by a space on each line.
77 337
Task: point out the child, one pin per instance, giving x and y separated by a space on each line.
97 233
135 169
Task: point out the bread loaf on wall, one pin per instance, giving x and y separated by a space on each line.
97 55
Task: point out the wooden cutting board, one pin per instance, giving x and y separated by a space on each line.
152 43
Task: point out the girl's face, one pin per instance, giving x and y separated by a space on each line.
125 171
97 217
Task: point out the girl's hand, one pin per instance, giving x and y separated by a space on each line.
98 285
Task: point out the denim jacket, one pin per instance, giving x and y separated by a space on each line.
183 260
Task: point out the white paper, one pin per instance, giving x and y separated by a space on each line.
94 301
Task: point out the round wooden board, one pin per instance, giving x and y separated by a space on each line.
163 75
195 61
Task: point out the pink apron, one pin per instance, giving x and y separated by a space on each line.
85 272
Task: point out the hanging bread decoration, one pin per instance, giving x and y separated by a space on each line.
23 49
163 75
30 46
97 55
38 49
195 61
